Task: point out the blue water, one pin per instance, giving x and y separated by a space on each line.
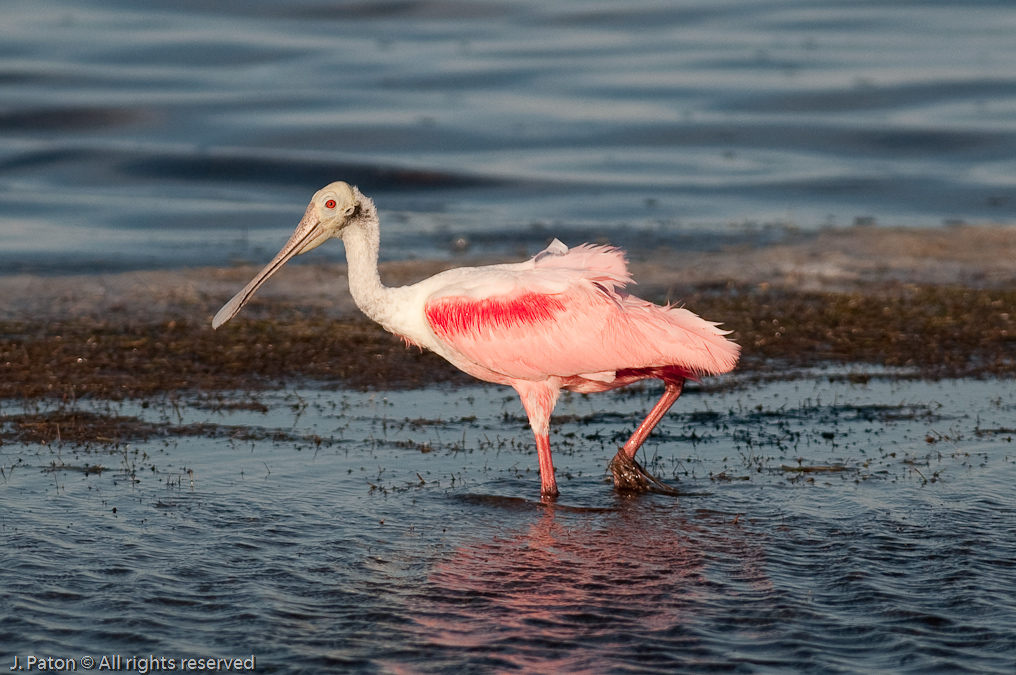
139 135
412 538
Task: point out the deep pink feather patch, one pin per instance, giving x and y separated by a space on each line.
459 315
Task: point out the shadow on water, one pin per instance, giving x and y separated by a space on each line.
522 504
221 167
224 166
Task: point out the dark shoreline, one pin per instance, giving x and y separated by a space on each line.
930 331
933 303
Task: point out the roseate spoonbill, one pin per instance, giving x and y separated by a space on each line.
559 321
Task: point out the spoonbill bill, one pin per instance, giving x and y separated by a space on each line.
559 321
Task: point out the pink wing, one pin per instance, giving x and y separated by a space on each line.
565 314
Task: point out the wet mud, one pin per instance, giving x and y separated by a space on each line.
927 331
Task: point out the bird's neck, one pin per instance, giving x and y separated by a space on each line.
362 242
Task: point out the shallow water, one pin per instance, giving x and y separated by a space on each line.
184 133
823 527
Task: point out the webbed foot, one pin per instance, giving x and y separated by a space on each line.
629 476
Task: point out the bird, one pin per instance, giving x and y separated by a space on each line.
559 321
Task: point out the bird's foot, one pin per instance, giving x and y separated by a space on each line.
629 476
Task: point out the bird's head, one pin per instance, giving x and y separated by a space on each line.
332 209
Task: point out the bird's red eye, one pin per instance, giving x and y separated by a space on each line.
330 204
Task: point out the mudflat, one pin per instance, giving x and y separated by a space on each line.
925 303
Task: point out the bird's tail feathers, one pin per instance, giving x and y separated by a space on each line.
597 263
683 338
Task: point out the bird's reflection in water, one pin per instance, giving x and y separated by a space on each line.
580 588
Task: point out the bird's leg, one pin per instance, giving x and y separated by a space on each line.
548 482
629 474
538 398
671 391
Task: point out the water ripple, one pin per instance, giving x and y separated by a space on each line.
483 118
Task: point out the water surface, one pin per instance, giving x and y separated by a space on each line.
188 133
823 527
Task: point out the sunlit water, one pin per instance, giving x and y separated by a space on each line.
193 133
403 533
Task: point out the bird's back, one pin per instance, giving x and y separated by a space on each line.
565 314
